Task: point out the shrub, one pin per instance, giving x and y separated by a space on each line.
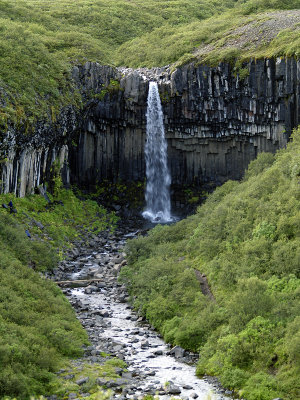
245 239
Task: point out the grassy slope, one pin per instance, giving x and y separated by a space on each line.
246 240
38 327
39 41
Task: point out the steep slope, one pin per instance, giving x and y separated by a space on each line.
39 331
226 281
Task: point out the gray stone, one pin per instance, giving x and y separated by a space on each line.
177 351
101 381
144 344
68 377
81 381
187 387
127 375
173 389
39 224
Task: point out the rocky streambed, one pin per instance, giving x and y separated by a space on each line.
89 279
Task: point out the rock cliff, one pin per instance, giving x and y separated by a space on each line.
215 123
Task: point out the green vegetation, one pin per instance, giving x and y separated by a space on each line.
38 327
40 40
64 219
66 383
246 240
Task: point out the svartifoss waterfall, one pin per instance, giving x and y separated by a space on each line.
157 195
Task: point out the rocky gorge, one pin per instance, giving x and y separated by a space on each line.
89 278
217 119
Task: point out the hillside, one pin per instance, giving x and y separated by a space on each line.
226 281
41 40
39 331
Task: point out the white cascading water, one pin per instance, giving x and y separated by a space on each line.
158 204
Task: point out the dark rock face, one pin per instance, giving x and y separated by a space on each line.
215 124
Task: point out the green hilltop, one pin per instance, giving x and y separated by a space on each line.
226 281
40 40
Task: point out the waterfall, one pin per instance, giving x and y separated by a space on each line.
157 195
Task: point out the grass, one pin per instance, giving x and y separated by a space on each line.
40 40
246 240
38 326
39 331
66 382
65 219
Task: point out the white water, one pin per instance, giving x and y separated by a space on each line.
158 205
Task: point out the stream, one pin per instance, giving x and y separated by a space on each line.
154 367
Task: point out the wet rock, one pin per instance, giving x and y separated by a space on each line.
194 395
177 352
187 387
127 375
144 344
173 389
123 298
151 373
116 269
104 313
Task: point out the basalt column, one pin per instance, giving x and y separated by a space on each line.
215 122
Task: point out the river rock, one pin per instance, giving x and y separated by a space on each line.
144 344
177 352
127 375
173 389
187 387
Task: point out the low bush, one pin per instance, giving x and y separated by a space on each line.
242 311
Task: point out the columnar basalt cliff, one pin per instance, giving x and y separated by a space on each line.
215 123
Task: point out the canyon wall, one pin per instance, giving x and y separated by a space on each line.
215 124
